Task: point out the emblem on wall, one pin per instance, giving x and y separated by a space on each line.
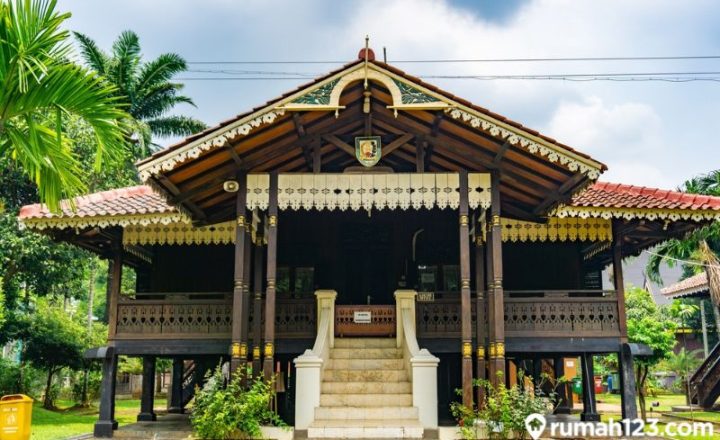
368 150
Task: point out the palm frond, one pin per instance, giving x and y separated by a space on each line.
94 57
712 268
126 58
159 100
160 70
175 126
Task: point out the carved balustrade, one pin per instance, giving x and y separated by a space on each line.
205 316
579 313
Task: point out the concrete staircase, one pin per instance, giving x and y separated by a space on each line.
366 393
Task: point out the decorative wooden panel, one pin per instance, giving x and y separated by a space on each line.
295 318
173 318
382 321
532 314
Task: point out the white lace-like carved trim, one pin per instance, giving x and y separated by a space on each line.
636 213
518 140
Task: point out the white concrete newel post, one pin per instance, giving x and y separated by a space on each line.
422 364
309 365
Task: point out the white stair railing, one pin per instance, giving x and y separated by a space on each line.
310 365
421 365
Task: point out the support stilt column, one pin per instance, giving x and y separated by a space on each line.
175 398
106 423
589 413
238 349
627 383
147 401
269 351
465 309
497 344
481 323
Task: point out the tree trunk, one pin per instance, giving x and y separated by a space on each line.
84 401
47 399
716 313
641 376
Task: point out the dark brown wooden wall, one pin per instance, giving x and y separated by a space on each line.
357 255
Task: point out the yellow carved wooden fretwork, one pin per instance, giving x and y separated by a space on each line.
557 229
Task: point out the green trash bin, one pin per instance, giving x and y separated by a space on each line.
15 417
577 387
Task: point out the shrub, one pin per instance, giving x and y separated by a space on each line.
235 410
504 409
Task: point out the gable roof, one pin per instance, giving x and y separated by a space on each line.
419 123
696 284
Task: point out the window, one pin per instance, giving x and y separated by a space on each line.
282 279
304 279
428 278
451 278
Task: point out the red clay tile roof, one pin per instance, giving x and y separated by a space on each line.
392 69
140 200
688 286
615 195
134 200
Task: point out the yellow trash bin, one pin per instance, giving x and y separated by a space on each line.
15 417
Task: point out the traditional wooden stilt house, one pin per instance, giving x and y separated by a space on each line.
332 232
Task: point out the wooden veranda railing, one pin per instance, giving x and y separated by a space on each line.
205 316
539 313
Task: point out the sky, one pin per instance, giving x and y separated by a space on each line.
648 132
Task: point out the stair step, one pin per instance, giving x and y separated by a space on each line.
365 353
368 429
365 375
363 413
365 343
378 387
366 364
365 400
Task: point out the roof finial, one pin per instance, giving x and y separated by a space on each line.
367 49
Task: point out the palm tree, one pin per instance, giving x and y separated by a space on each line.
683 364
146 87
39 89
701 245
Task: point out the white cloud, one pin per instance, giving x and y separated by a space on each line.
661 128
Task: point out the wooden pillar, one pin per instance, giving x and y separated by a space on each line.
147 401
481 328
106 423
247 275
257 305
497 325
238 349
465 308
175 399
269 351
618 277
589 413
563 390
628 386
114 286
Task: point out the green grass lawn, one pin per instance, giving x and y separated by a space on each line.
68 422
705 416
666 401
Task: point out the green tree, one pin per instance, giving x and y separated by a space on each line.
647 325
52 340
146 87
39 89
701 245
683 364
